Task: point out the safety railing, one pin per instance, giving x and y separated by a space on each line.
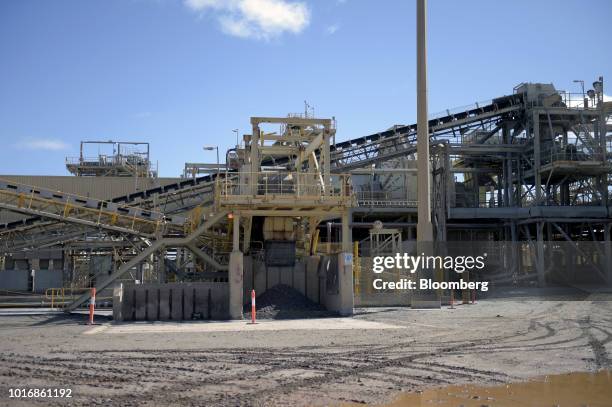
469 200
383 199
577 100
62 296
570 154
104 160
459 109
281 183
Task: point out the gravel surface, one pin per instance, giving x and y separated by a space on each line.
492 342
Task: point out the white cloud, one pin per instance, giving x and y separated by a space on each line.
332 29
42 144
259 19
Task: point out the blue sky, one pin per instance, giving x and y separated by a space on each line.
182 74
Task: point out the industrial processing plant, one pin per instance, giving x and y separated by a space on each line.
308 266
514 173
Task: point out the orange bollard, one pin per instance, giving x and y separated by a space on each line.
474 296
452 299
92 306
253 311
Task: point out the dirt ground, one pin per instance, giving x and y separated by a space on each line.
388 351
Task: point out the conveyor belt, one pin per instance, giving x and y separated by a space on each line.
346 155
170 199
71 208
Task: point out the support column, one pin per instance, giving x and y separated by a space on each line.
236 273
326 157
67 268
540 253
246 244
424 226
254 158
161 270
507 164
608 251
514 249
537 159
345 269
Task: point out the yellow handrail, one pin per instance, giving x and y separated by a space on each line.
56 294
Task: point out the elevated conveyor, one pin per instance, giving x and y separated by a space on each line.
401 140
347 155
85 211
168 203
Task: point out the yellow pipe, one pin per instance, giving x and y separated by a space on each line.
315 242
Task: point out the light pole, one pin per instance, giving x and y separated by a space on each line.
581 82
424 227
584 99
236 131
210 148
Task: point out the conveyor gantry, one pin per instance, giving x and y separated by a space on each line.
85 211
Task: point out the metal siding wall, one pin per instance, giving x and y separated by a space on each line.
94 187
44 279
14 280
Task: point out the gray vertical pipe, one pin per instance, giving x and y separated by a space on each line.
424 227
537 156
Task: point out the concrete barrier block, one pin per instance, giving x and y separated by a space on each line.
220 303
299 277
153 303
141 304
177 303
118 302
188 300
128 307
312 278
202 296
164 305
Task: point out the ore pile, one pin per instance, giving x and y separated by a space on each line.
284 302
